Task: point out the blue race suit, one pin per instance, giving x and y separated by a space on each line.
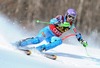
50 33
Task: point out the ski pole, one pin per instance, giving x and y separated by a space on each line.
38 21
84 43
87 52
74 35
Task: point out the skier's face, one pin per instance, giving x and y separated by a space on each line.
70 18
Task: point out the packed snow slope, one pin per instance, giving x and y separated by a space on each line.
68 55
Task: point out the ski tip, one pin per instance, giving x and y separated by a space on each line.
28 52
54 57
51 56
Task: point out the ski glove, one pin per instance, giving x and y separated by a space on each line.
84 43
65 24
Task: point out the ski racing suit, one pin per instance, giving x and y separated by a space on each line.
51 34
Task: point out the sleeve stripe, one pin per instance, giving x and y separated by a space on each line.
75 30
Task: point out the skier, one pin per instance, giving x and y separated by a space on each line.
51 33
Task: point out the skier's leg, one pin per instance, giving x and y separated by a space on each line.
39 38
43 34
55 41
28 41
23 43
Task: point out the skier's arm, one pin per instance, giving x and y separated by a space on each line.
79 37
53 21
56 20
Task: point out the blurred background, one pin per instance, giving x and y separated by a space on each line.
25 12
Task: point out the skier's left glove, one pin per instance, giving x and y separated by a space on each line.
84 43
65 24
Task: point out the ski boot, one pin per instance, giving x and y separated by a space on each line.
25 49
41 49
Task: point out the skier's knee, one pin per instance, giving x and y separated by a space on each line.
53 39
53 44
29 41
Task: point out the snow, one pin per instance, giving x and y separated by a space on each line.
68 55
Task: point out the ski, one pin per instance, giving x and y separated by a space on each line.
34 50
27 52
50 56
47 55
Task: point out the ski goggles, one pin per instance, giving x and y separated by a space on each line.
71 17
